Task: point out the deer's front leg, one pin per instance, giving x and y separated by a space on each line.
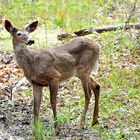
37 92
54 85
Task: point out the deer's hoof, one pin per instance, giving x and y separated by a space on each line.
95 122
57 131
81 125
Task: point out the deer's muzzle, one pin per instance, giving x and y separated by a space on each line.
30 42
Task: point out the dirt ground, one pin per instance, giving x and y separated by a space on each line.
16 110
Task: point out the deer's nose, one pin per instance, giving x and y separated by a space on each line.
30 42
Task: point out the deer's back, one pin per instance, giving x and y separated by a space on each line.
80 45
64 60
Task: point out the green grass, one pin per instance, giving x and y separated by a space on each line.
119 106
119 73
41 133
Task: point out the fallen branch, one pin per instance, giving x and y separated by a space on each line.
10 90
5 91
98 30
19 84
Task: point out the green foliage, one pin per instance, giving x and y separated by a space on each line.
41 133
64 116
63 14
28 93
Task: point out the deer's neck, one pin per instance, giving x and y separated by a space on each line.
24 57
18 48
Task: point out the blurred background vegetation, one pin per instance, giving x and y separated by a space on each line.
68 15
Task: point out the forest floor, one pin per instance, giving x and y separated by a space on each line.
119 77
16 108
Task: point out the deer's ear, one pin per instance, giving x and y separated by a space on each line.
8 26
32 27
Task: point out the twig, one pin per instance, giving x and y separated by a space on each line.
131 14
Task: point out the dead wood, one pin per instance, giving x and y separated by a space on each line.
88 31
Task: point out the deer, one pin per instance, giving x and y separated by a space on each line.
50 66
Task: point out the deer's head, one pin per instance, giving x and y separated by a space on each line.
20 36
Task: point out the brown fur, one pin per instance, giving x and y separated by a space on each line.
50 66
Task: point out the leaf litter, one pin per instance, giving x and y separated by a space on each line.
16 109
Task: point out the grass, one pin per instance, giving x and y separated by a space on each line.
120 104
119 73
41 133
119 107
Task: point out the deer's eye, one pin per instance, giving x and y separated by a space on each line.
19 34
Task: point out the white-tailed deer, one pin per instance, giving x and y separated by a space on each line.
50 66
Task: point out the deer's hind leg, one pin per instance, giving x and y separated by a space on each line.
83 72
95 87
84 77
